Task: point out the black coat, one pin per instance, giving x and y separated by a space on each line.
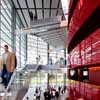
47 96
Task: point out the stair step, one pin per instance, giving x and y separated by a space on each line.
2 88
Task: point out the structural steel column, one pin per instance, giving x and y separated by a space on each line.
37 58
26 46
13 27
48 54
56 79
0 25
65 76
20 46
47 80
65 56
48 57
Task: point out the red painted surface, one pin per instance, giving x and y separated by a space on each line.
94 74
88 53
85 53
82 11
84 90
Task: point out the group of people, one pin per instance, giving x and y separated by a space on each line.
37 93
8 63
52 93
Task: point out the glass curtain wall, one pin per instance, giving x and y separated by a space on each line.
56 79
37 50
39 80
6 34
56 56
6 37
21 45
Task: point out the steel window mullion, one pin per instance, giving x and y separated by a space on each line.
6 12
6 34
27 7
5 41
57 7
0 26
5 26
50 8
38 8
4 30
10 3
17 13
43 8
35 8
6 38
6 5
5 19
20 20
22 12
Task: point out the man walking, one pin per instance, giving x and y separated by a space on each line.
7 66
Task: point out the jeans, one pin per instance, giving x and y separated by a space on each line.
5 75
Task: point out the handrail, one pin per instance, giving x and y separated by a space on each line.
11 80
28 92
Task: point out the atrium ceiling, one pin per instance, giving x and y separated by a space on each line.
52 33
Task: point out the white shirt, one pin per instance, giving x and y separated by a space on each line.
5 55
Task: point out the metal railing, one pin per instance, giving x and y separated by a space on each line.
11 80
11 91
14 85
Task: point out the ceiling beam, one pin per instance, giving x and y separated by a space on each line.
35 8
58 7
43 8
55 28
57 36
27 7
55 42
50 8
50 34
22 13
42 26
17 12
38 8
60 36
49 40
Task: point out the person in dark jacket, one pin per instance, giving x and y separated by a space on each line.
15 57
37 94
47 95
57 95
59 88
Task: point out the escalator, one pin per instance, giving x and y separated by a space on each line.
21 78
10 92
17 81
